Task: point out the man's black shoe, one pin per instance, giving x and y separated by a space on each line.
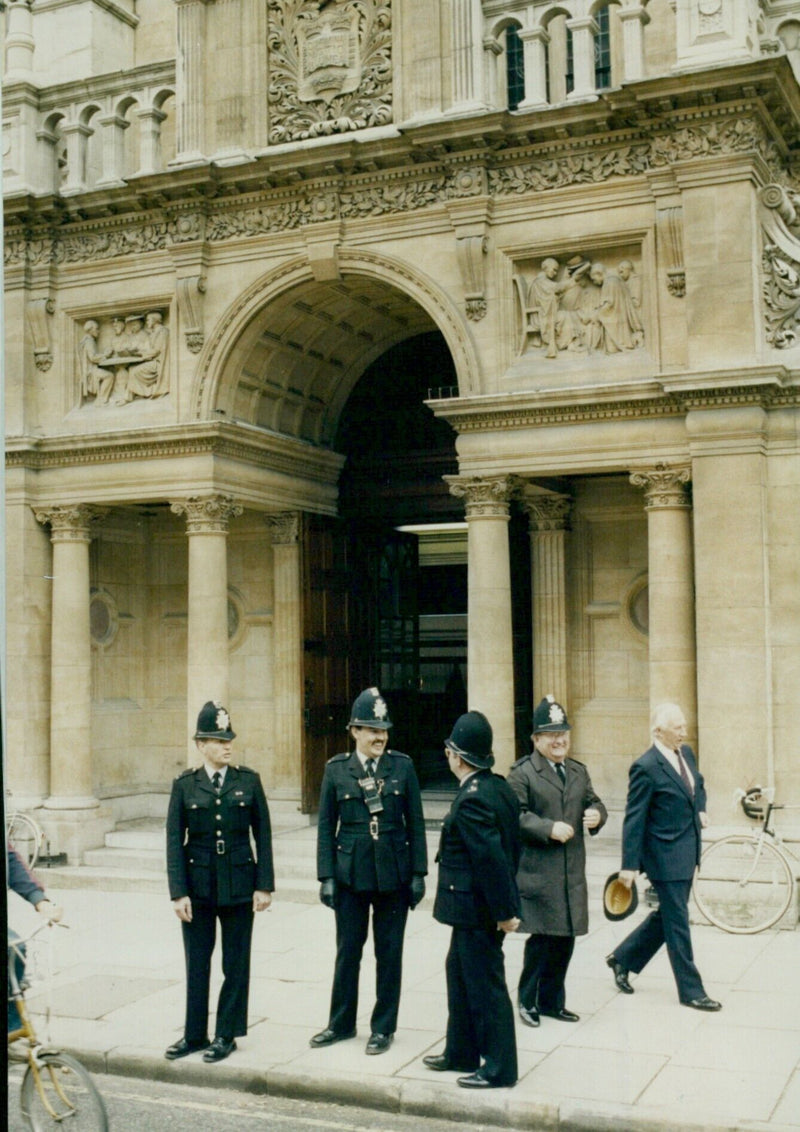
478 1080
620 975
529 1017
379 1043
328 1036
562 1015
219 1049
182 1048
703 1003
440 1063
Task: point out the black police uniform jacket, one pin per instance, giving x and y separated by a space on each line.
479 851
347 850
209 853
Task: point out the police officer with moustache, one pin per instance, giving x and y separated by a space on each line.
371 853
214 875
477 895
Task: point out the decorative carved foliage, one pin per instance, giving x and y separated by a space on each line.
782 297
485 496
208 514
330 67
663 486
284 528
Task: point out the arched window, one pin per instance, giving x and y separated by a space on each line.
602 50
515 67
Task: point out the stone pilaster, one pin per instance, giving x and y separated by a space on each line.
287 634
190 81
466 40
490 655
548 518
207 521
672 656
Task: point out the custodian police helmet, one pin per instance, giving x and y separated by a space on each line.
213 722
471 740
550 716
370 710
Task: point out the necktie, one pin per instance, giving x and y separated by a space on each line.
684 772
216 781
372 766
562 774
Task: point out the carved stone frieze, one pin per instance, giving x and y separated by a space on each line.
123 357
209 514
781 292
664 486
330 67
485 496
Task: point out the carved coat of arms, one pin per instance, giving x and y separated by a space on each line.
329 57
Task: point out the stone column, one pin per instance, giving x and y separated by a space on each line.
150 140
583 33
633 21
287 634
20 43
207 520
672 656
113 137
76 137
71 784
548 516
190 81
466 41
490 654
534 44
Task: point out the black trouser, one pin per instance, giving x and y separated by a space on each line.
236 921
544 969
669 924
389 915
480 1017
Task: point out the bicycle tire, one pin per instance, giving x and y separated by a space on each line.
739 892
26 837
69 1090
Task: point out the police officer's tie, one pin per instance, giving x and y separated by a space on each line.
372 766
216 781
562 774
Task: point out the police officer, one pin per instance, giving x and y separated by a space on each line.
371 853
477 895
213 874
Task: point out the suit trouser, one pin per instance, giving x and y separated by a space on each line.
236 921
480 1017
669 924
389 915
544 969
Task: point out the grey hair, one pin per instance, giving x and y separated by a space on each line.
661 714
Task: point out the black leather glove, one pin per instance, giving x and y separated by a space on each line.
327 892
416 891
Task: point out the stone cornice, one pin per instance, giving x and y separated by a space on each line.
768 388
253 446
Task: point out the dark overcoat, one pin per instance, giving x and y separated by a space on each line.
661 834
347 850
478 855
552 874
209 852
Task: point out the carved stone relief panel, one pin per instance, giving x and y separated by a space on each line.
122 357
330 67
583 303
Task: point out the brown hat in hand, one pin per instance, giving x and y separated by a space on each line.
619 901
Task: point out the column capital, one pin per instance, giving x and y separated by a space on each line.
207 514
664 486
284 528
70 523
547 512
485 496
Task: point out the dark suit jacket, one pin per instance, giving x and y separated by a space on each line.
478 855
347 850
661 831
199 824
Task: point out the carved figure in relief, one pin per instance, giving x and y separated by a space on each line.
149 378
544 318
614 324
96 380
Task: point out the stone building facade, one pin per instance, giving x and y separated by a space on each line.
448 345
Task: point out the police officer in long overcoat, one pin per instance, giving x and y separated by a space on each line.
558 804
215 875
371 853
477 895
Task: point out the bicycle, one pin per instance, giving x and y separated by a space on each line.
55 1087
746 881
22 832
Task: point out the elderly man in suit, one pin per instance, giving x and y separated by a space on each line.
214 875
664 815
558 804
477 895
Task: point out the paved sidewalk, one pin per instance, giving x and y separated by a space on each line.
632 1062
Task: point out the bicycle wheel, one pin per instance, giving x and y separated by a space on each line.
62 1091
743 885
25 836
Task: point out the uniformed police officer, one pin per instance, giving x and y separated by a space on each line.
477 895
371 852
213 874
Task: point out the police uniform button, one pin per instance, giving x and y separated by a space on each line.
219 801
452 888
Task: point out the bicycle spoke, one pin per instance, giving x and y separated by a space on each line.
744 885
